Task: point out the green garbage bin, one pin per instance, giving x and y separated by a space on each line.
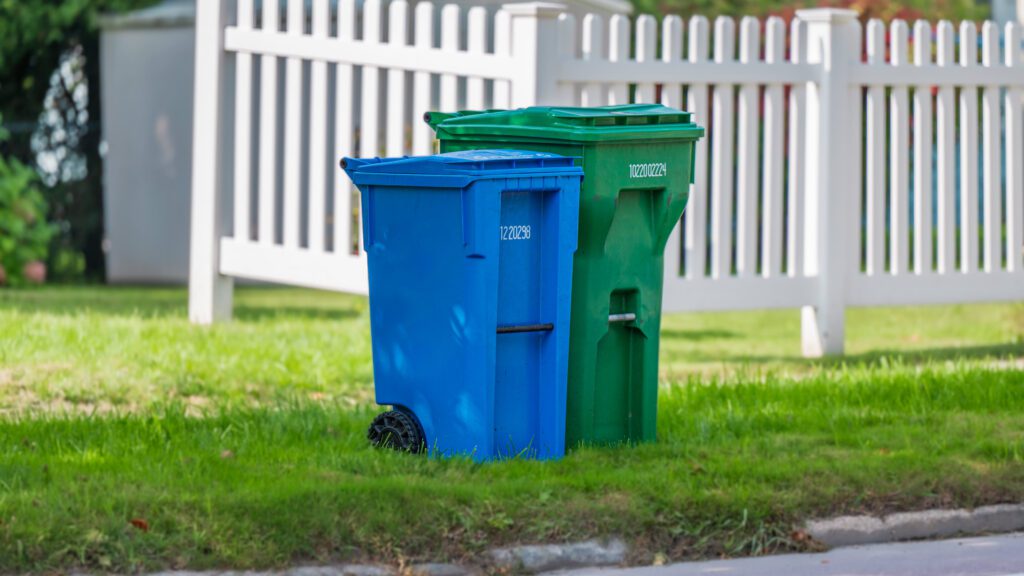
638 164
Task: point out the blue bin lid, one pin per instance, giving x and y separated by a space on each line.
457 168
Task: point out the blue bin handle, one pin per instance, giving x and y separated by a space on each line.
350 165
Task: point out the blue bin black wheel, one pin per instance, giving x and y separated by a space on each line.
397 429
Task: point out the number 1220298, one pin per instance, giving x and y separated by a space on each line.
515 232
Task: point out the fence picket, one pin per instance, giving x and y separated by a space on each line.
795 185
1013 100
857 161
450 43
476 44
243 130
266 233
293 130
922 227
422 136
502 97
968 154
318 132
369 143
945 144
567 93
344 128
646 38
593 50
696 214
748 152
671 51
618 51
875 156
899 159
774 133
722 156
992 185
398 12
671 95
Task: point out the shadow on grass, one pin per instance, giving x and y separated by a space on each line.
698 335
106 300
875 358
252 304
286 311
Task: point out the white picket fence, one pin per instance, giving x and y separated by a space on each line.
827 179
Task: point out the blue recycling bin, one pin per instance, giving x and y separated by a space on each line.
470 264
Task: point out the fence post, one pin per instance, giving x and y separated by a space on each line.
830 238
209 292
536 50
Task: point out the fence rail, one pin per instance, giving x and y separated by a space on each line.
843 166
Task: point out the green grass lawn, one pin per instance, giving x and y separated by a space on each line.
243 446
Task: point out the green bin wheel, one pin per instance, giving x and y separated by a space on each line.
397 429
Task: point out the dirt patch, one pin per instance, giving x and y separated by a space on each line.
1011 364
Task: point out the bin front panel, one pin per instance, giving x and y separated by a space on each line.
432 312
633 194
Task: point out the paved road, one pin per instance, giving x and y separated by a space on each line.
988 556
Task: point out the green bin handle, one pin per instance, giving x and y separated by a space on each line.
434 118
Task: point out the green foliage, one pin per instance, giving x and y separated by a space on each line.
24 232
58 114
34 36
886 9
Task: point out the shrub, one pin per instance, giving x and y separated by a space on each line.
24 233
884 9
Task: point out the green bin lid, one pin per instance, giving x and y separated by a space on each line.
604 123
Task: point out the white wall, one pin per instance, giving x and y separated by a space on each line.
147 126
1004 11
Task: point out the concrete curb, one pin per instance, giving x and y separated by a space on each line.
436 569
427 569
518 559
339 570
857 530
551 557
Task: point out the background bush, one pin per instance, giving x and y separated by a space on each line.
24 233
885 9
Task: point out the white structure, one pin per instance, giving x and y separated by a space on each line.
147 67
147 71
788 209
1006 11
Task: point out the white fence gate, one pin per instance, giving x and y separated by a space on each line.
837 171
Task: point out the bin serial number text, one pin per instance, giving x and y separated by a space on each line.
515 232
652 170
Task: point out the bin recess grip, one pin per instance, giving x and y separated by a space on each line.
525 328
